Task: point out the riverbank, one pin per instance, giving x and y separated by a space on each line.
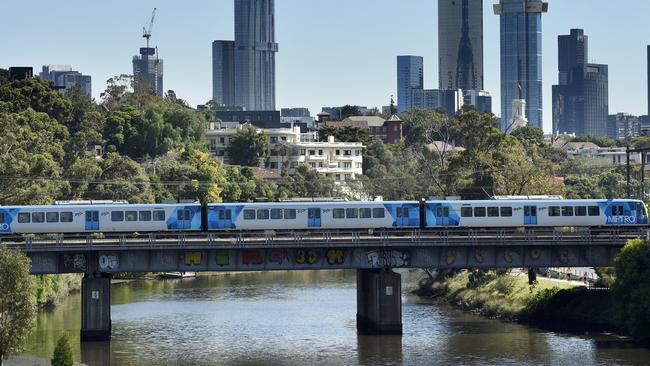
548 304
52 289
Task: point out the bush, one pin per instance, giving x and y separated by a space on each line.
505 284
62 353
631 289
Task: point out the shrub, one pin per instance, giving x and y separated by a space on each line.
62 353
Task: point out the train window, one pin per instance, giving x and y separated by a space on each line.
351 213
262 214
38 217
145 215
493 212
338 213
479 211
2 217
23 218
365 213
276 214
159 216
378 213
554 211
133 215
466 212
506 211
594 211
405 212
66 216
581 211
117 216
249 214
567 211
617 210
52 217
289 214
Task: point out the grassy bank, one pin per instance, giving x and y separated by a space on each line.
548 303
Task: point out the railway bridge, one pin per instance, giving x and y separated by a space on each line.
373 253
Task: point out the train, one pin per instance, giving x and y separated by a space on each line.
278 216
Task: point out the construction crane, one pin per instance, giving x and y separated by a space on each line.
146 30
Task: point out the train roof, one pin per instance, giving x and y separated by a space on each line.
536 201
103 206
313 204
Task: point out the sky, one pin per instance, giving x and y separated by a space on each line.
332 52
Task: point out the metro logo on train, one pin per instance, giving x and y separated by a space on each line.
496 213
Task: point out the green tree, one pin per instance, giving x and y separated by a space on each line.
422 126
31 153
598 140
17 302
62 353
248 147
529 134
121 178
349 111
631 289
344 134
583 188
307 182
36 94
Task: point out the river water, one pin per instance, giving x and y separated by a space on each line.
304 318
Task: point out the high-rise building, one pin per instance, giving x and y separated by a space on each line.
244 70
410 75
148 72
480 99
223 73
521 57
648 75
580 100
460 44
65 78
425 99
623 126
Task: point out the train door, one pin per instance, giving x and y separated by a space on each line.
403 216
92 220
225 218
530 215
183 219
442 216
314 217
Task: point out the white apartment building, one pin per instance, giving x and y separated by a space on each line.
288 148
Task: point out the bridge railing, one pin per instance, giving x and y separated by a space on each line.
333 238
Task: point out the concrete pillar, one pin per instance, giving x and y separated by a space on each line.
96 308
532 276
379 302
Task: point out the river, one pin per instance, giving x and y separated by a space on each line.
304 318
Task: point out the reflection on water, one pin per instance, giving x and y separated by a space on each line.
297 318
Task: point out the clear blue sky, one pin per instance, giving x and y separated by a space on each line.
332 52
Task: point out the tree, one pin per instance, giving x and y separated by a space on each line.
631 289
529 134
38 95
422 126
17 302
344 134
307 182
349 111
248 147
598 140
62 353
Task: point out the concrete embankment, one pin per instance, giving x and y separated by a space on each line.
548 304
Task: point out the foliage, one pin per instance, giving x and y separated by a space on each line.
51 289
349 111
248 147
631 289
17 302
598 140
606 277
529 134
189 175
62 353
307 182
344 134
20 95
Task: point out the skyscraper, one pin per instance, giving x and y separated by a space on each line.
65 78
648 80
521 58
580 100
148 71
460 44
410 75
244 70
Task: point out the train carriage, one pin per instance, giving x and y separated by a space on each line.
541 213
313 215
100 218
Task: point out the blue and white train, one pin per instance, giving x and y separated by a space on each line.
323 215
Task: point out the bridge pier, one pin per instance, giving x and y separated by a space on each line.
379 302
96 308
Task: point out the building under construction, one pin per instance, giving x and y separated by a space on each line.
148 67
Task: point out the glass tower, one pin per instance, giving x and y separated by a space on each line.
244 70
521 58
460 44
410 75
148 72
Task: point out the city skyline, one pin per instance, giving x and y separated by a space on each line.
319 64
